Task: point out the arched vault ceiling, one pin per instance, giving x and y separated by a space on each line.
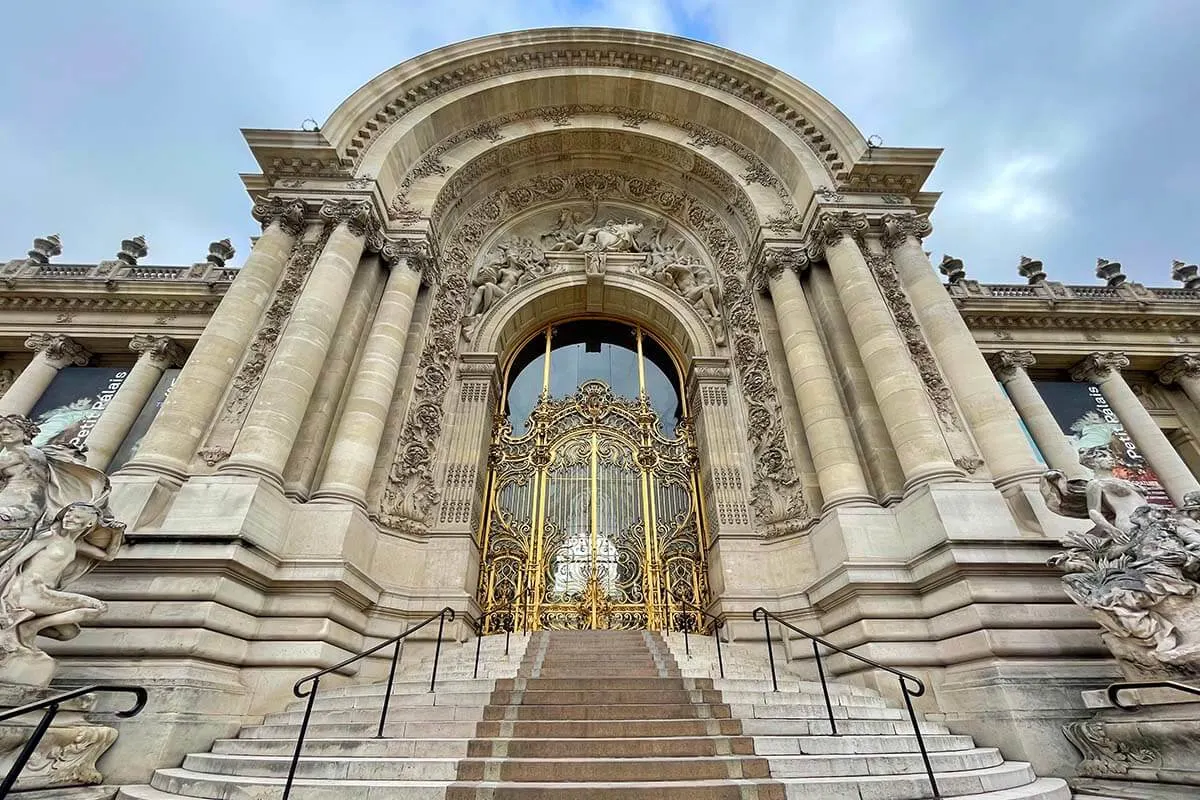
494 75
745 192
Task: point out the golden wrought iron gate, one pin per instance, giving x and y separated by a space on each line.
592 519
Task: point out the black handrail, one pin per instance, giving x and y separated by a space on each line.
718 624
761 613
51 704
1115 689
314 679
479 626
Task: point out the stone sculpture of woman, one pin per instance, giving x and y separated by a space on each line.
24 480
1108 501
32 600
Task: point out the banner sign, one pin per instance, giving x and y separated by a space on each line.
68 409
142 423
1088 422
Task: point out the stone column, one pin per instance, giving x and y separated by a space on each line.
156 353
360 430
1010 368
988 413
1185 371
920 446
724 451
1104 370
172 440
826 429
271 425
51 352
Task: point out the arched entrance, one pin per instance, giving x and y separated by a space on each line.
592 518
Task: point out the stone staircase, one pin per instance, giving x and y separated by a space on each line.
597 715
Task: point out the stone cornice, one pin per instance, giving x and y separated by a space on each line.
149 303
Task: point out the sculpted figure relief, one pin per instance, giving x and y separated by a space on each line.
1137 569
54 527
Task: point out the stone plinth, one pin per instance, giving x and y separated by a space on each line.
1152 751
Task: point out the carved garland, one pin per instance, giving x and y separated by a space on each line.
918 349
777 496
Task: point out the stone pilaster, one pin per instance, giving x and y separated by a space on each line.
360 430
51 352
274 419
170 443
724 458
1010 368
1104 370
912 425
469 426
989 415
155 354
826 429
1185 372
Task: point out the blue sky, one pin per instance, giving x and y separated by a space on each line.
1069 125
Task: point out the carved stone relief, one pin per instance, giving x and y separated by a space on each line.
778 498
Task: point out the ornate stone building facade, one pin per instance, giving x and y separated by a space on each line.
695 260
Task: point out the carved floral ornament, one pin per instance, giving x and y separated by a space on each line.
59 348
163 349
1007 363
1185 366
411 490
1099 367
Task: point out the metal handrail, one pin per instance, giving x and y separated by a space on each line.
508 629
718 624
765 616
51 704
314 680
1115 689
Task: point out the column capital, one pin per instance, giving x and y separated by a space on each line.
162 349
707 371
289 214
358 216
1187 365
830 227
415 252
774 260
1006 363
59 350
899 228
1099 367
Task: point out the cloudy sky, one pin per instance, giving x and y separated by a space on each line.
1069 125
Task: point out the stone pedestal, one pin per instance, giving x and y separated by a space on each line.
66 755
1151 752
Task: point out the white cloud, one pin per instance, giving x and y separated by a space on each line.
1018 189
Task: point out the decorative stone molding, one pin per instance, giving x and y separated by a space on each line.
290 214
778 498
415 252
121 305
830 227
163 349
1099 367
707 76
898 228
59 349
1006 363
918 349
1181 366
1102 756
45 249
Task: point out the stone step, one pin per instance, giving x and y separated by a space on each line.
830 766
820 727
175 783
415 713
1013 775
604 729
612 770
626 711
397 729
399 702
857 744
348 747
813 711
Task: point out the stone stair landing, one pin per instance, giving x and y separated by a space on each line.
603 714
